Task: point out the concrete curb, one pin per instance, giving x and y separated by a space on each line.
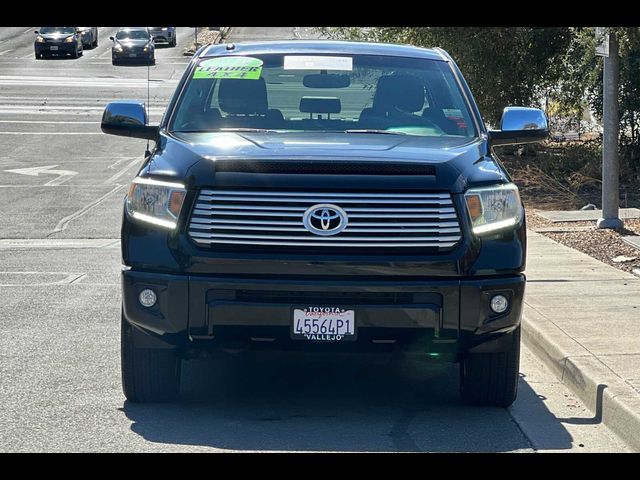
614 402
222 34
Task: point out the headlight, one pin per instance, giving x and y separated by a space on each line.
145 49
118 48
494 208
68 40
164 29
156 202
39 39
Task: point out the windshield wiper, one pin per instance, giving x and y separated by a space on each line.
230 129
366 130
245 129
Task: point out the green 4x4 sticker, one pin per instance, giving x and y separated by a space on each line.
246 68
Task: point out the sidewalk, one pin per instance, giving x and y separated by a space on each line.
582 317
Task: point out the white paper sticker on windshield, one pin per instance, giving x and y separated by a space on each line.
314 62
452 113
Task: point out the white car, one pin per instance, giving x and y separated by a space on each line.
89 36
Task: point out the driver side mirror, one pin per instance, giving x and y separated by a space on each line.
112 39
36 32
128 118
520 125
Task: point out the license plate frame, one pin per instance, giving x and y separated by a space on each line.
323 323
133 55
53 48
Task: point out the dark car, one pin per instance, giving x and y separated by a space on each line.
328 197
133 45
58 41
89 36
164 35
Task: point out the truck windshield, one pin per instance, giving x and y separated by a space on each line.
336 93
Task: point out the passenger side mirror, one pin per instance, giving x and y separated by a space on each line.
112 39
128 118
520 125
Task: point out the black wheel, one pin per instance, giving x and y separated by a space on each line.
491 379
174 42
38 56
148 375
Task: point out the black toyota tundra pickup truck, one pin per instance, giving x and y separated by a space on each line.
323 196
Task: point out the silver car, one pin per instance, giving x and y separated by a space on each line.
164 35
89 36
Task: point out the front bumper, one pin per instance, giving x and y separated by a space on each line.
125 56
59 48
445 316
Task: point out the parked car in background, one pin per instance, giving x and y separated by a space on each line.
89 36
327 197
133 45
164 35
58 41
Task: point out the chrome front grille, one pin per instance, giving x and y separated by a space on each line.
275 218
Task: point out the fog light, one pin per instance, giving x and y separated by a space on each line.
147 298
499 303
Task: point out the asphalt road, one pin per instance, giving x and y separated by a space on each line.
61 188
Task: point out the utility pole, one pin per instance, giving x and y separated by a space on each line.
610 120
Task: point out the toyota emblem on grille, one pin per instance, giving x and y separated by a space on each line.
325 219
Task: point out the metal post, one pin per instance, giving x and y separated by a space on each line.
610 164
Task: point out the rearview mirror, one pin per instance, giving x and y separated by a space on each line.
326 80
128 118
520 125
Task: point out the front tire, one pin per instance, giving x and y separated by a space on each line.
491 379
148 374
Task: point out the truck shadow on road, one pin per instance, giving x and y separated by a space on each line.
346 404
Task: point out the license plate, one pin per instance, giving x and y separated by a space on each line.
53 48
132 55
323 324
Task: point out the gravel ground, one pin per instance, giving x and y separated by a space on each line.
604 245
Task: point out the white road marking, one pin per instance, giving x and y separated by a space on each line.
12 243
62 224
83 82
51 133
27 30
114 177
63 175
45 121
6 51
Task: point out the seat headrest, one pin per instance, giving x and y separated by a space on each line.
243 97
405 92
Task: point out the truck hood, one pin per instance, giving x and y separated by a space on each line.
458 162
